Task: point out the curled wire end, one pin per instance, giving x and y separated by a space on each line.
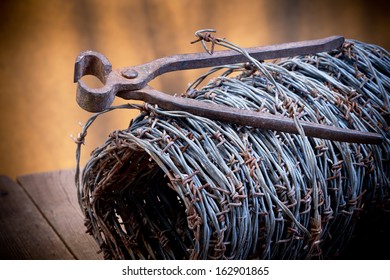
204 35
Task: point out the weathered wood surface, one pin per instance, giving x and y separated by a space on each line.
55 195
40 219
24 232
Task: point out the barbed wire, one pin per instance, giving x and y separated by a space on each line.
179 186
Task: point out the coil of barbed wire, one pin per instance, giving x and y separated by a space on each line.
179 186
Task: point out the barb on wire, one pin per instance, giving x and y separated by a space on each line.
205 35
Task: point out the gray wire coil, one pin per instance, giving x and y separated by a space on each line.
178 186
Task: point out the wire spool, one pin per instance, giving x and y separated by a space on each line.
178 186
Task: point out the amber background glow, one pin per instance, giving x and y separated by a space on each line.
41 39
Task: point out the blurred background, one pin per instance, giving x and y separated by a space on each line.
41 39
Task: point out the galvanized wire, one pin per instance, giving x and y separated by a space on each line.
179 186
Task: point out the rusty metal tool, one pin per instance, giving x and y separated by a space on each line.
131 83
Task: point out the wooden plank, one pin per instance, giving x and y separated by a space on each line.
24 232
55 195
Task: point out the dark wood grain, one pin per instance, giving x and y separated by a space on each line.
24 232
55 193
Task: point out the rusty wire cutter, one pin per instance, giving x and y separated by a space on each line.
131 83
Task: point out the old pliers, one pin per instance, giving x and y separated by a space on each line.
131 83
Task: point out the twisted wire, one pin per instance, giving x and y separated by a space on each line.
179 186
